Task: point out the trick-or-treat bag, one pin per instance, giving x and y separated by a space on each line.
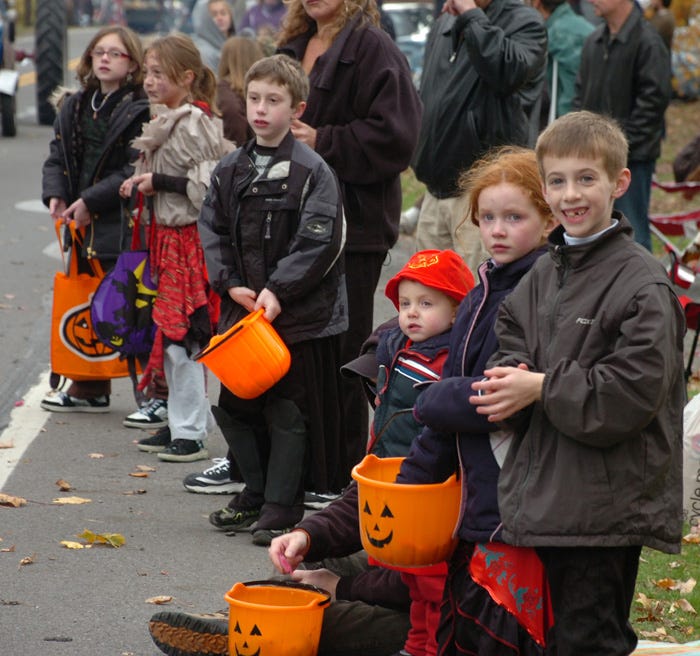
691 461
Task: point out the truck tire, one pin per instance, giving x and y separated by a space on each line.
50 55
8 108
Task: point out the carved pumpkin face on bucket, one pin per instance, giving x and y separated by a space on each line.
246 645
404 525
77 333
378 530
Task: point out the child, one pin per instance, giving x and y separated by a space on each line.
272 228
506 203
237 56
180 147
89 158
213 24
591 347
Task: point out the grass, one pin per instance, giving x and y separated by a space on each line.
667 602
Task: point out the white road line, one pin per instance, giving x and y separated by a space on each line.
26 422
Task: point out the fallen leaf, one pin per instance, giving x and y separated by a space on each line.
19 404
64 486
674 565
9 297
146 468
685 605
160 599
112 539
9 500
691 538
96 456
8 549
27 560
69 544
7 445
665 584
139 474
685 587
71 501
139 491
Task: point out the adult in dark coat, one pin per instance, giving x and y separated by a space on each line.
362 117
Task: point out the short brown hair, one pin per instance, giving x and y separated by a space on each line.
585 134
132 45
511 164
281 70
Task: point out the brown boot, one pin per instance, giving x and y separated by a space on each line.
190 634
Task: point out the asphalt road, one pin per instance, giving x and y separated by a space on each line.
78 602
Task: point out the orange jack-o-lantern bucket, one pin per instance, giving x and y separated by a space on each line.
249 358
405 525
275 618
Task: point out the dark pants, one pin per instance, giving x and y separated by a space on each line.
591 591
362 272
635 203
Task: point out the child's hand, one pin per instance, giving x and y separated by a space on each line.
287 551
78 213
507 391
321 578
268 300
144 183
57 206
126 187
244 296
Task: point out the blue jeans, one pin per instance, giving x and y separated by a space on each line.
635 203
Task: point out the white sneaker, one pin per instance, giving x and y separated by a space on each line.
153 414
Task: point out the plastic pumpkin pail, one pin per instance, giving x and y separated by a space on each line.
249 358
275 618
405 525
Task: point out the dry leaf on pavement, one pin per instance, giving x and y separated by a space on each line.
9 500
71 501
64 486
160 599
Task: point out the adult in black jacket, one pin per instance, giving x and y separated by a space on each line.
89 157
625 73
484 70
362 117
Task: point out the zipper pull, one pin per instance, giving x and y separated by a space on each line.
268 221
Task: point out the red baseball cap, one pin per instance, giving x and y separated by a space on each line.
441 270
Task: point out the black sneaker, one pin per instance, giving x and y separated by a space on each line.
214 480
189 634
155 443
231 519
56 401
264 536
184 451
153 414
319 500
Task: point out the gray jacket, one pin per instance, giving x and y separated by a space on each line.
598 461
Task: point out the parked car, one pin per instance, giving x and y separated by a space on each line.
8 75
412 22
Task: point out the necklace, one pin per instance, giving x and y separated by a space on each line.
100 106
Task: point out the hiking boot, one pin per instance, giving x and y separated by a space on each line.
275 519
262 537
155 443
184 451
231 519
56 401
214 480
188 634
153 414
319 500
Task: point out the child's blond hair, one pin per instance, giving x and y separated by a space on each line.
511 164
585 135
238 54
281 70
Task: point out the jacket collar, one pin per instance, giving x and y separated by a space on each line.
575 256
502 277
625 31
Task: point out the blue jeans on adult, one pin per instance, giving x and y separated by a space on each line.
635 203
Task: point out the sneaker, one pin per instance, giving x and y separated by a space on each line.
263 537
184 451
187 634
56 401
319 500
214 480
153 414
234 518
155 443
